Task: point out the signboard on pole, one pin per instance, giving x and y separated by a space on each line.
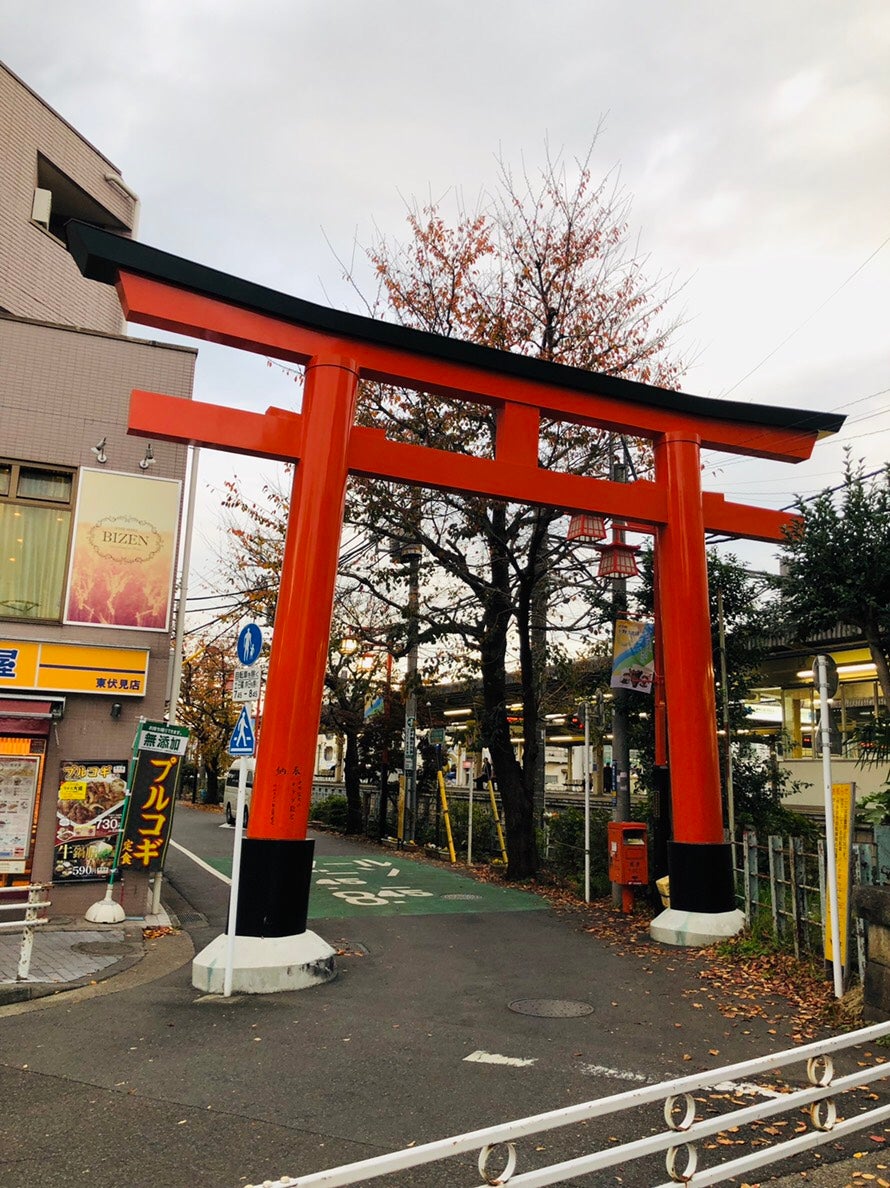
246 683
160 750
242 740
410 745
250 644
843 799
633 656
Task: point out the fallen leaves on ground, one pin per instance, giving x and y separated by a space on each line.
154 933
772 987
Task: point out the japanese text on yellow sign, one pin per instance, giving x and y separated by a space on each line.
843 804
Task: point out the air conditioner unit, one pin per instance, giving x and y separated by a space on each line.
41 206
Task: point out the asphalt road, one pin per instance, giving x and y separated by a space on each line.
155 1084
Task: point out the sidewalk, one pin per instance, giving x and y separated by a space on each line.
418 991
73 953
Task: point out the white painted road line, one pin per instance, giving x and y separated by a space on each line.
200 862
618 1074
481 1057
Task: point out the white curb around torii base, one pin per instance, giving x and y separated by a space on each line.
695 929
265 964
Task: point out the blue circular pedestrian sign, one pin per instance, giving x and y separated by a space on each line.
250 644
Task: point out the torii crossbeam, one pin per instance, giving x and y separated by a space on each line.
339 350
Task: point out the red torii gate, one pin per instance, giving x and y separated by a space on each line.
338 350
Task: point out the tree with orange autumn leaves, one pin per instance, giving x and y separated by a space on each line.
206 706
544 267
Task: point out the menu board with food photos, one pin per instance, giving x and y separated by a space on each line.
18 792
92 797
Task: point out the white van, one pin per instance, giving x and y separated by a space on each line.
230 790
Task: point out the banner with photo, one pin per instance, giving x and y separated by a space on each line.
124 552
91 800
633 656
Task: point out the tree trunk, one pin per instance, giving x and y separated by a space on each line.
212 795
351 780
516 797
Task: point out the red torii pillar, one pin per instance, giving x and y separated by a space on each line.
338 350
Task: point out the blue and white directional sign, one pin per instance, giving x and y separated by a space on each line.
250 644
242 740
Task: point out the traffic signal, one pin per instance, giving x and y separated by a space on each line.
575 722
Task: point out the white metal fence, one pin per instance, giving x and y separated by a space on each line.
826 1108
35 902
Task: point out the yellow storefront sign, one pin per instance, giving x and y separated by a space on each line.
72 668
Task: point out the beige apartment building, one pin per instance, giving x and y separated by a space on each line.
89 518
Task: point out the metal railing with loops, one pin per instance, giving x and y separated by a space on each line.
682 1139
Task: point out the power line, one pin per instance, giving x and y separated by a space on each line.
808 319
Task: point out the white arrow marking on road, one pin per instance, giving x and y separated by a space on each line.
481 1057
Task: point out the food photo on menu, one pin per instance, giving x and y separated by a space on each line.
91 802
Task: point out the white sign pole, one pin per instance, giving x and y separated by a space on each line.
586 803
470 826
236 875
830 854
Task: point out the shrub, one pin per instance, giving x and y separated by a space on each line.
566 849
331 812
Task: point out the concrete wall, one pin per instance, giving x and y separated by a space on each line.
843 771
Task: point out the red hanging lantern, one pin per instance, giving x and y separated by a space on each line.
617 559
586 526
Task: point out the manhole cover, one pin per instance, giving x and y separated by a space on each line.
550 1008
103 948
461 897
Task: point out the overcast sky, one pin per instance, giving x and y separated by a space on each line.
263 135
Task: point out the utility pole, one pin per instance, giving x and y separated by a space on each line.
411 552
724 686
620 743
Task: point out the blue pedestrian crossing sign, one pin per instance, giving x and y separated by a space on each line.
250 644
242 740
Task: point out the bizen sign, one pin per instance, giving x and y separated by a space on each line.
122 560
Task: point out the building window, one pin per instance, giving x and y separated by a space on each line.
35 528
58 199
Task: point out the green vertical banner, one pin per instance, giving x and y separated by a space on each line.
159 752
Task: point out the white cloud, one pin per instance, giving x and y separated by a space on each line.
751 137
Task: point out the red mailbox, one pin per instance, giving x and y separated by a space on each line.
628 853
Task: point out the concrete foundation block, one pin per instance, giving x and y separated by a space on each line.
695 929
265 965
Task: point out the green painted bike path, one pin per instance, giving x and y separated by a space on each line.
352 886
